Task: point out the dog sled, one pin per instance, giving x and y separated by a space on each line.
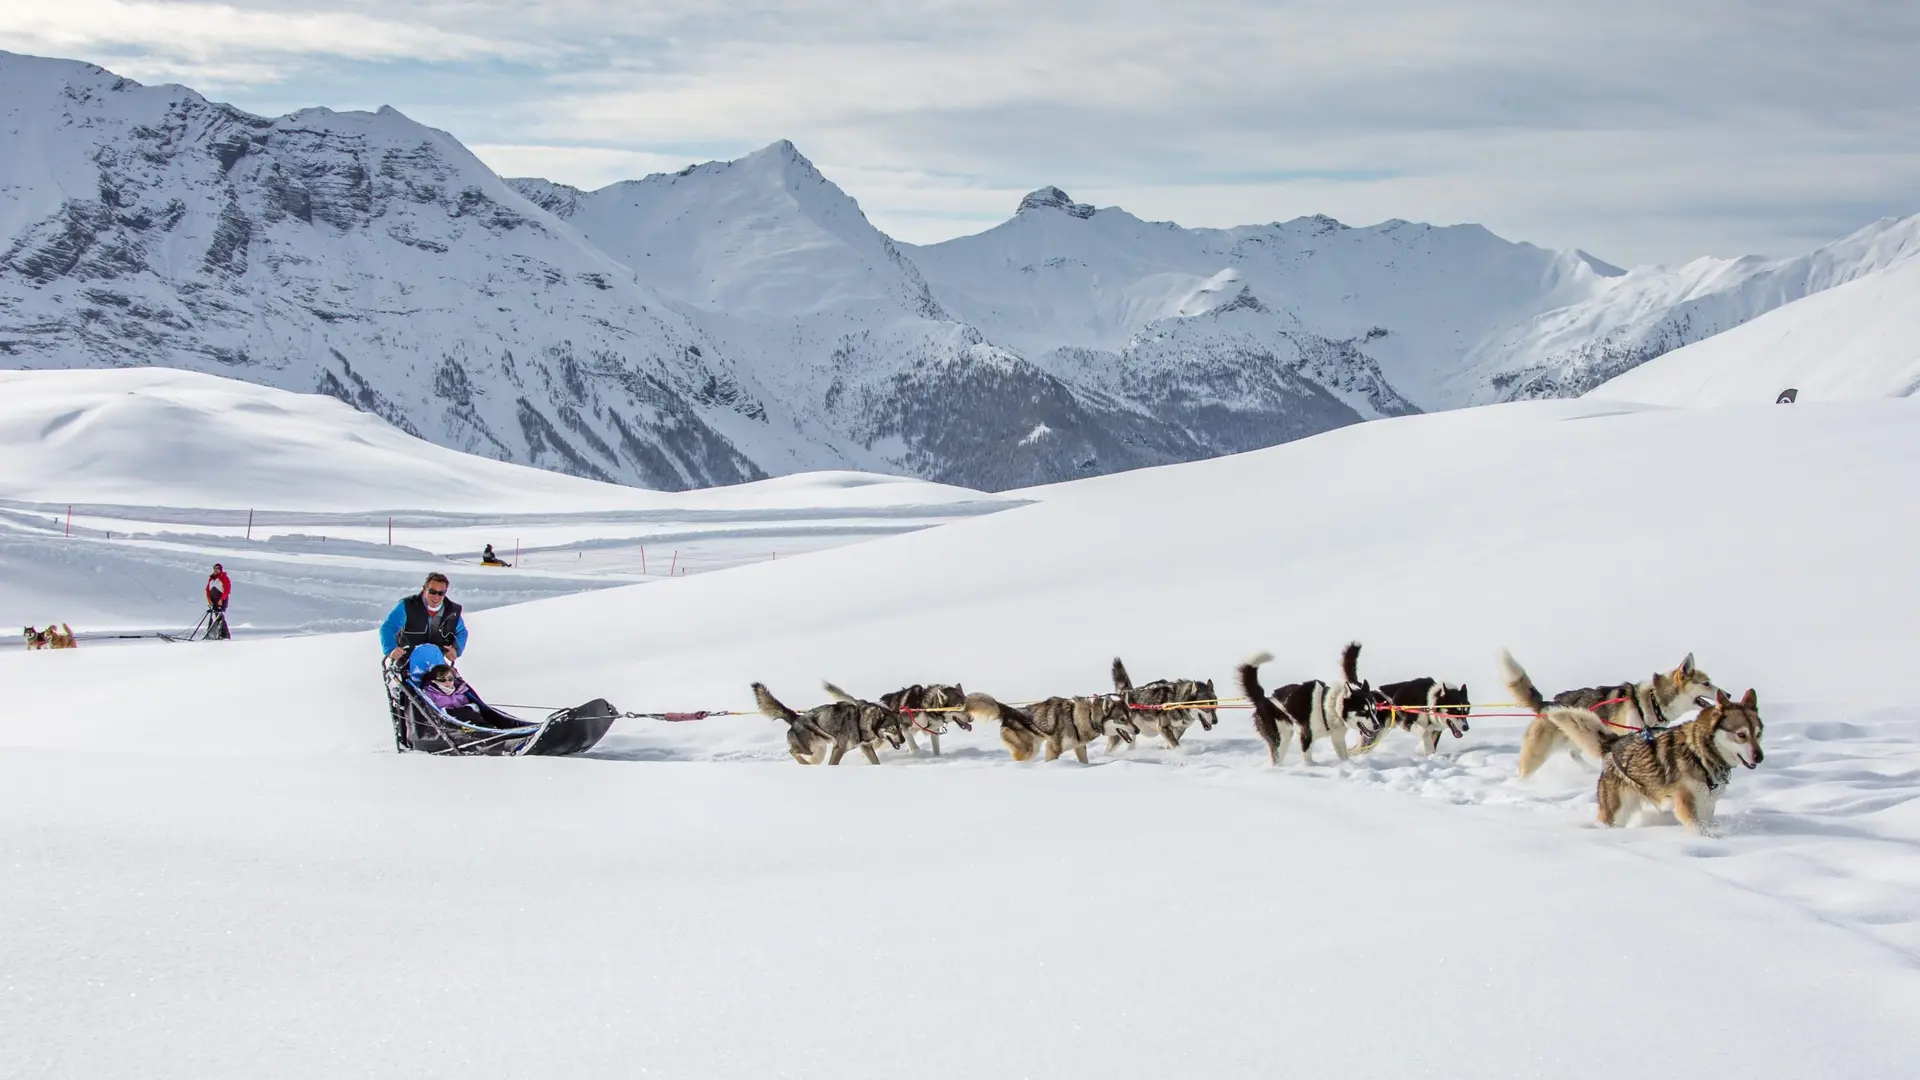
211 627
420 726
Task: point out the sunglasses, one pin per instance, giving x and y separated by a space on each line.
436 592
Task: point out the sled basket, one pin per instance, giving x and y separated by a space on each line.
420 726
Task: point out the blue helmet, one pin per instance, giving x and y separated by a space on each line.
424 659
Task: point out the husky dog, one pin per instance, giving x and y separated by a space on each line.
1351 699
1170 724
1683 768
829 731
1017 727
1422 706
1060 724
53 637
1654 703
928 709
1104 714
1300 708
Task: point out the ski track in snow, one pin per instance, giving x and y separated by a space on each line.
130 569
1827 822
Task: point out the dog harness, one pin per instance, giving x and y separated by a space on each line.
1649 725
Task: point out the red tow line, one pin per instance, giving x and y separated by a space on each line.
1609 723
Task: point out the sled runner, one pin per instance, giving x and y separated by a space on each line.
421 726
211 627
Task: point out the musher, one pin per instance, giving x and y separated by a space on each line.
219 593
428 617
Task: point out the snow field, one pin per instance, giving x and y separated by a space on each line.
1855 341
118 489
228 870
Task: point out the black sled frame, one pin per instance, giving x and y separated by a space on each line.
420 726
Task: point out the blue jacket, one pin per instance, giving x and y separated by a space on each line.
391 629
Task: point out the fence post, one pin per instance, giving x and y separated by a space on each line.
516 553
69 521
675 564
249 524
389 530
643 560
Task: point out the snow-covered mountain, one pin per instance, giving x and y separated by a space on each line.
1854 341
359 254
742 319
1652 311
1390 318
780 267
1210 319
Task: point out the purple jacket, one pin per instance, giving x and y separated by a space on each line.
462 695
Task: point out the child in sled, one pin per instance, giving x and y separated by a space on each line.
443 686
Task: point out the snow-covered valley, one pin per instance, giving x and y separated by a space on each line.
119 488
215 865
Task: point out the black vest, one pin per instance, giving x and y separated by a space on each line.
416 632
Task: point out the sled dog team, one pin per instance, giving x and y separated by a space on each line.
53 637
1647 759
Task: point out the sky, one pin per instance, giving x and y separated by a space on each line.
1639 130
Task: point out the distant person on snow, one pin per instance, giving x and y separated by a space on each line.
428 617
488 556
219 592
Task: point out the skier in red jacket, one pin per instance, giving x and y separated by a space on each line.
219 591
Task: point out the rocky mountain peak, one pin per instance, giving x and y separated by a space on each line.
1052 198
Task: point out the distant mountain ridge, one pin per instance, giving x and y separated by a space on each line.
742 319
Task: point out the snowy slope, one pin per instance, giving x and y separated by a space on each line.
165 437
251 886
1652 311
1856 340
178 438
323 514
358 254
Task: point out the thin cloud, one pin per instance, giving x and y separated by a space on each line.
220 43
1640 129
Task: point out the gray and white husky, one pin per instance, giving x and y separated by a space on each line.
929 709
1059 724
829 731
1651 704
1148 704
